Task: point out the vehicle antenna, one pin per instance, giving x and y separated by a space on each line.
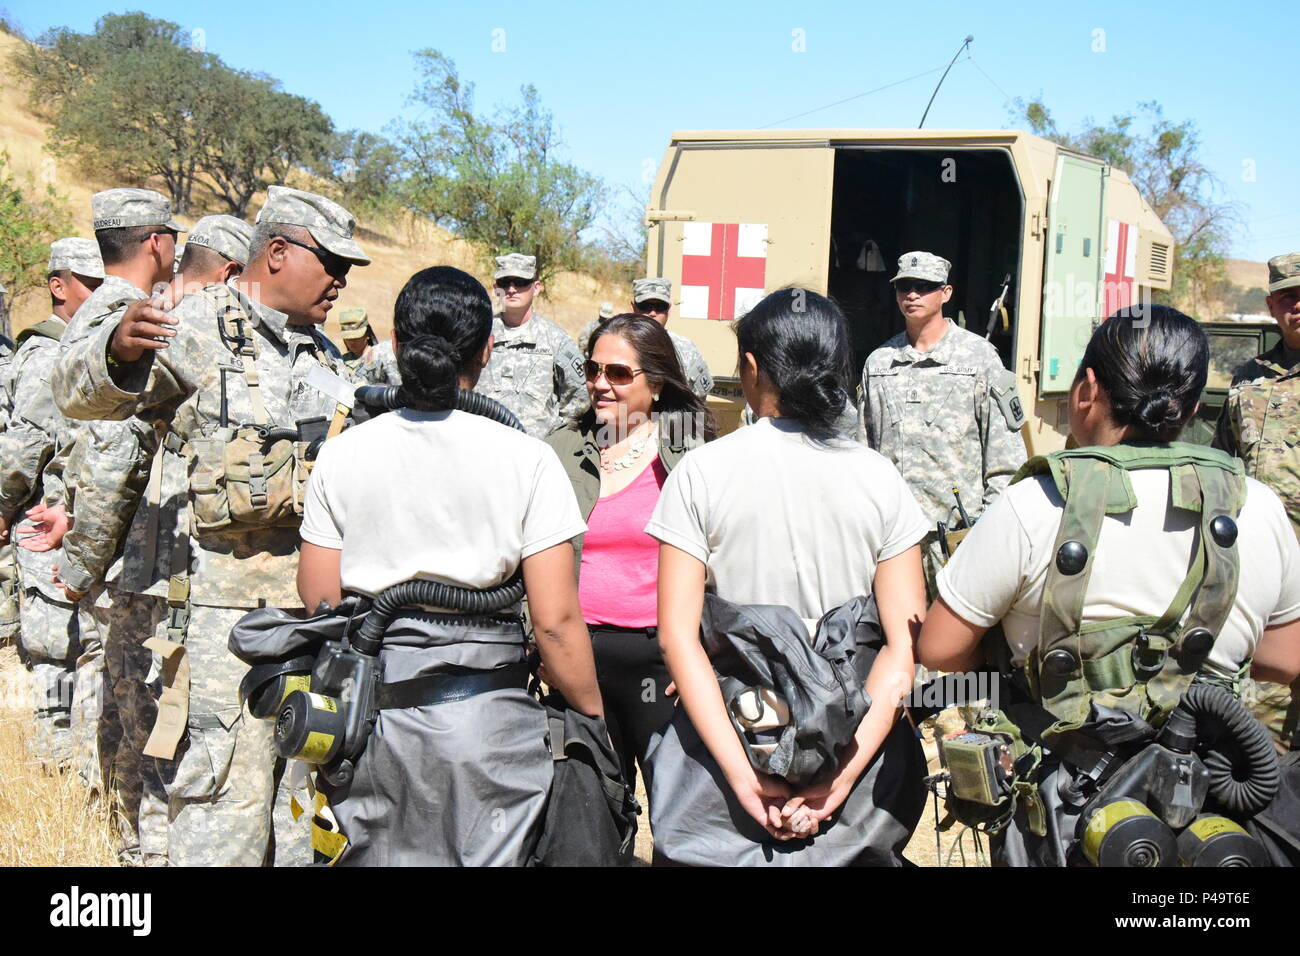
965 43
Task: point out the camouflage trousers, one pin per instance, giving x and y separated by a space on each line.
8 595
94 712
224 798
1272 706
122 623
48 646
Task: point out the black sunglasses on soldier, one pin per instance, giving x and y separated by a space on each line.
919 286
335 266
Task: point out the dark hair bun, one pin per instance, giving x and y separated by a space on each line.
812 394
443 319
1159 412
801 344
428 365
1152 362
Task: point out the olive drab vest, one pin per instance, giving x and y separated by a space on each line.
50 329
1140 664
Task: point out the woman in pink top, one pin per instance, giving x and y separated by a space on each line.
643 418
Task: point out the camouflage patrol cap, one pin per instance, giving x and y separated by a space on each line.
120 208
1283 271
76 255
923 265
606 310
651 290
224 234
515 265
353 322
330 224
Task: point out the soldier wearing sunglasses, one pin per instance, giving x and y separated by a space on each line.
220 363
937 402
535 369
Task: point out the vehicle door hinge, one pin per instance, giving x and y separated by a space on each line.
653 216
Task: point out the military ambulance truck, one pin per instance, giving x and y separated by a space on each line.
1044 242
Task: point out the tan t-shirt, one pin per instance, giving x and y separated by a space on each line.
777 519
441 496
999 572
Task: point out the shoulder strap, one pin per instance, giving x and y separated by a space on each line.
232 327
1058 663
49 329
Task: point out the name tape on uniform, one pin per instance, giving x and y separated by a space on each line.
325 381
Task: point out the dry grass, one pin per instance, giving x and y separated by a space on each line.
46 819
1247 274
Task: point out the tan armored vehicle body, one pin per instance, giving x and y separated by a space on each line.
1044 241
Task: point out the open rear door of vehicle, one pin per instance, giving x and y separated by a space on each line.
1073 268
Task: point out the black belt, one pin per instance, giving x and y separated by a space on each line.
651 631
451 685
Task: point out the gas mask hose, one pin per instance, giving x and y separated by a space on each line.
1244 770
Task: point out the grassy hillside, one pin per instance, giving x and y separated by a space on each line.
1247 274
398 248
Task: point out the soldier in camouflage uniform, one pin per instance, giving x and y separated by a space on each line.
1259 424
136 235
49 643
113 466
937 402
371 361
535 369
258 337
216 251
653 298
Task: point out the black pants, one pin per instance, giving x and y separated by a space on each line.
633 680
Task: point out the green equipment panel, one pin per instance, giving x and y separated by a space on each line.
1072 276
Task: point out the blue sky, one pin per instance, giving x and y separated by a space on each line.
620 77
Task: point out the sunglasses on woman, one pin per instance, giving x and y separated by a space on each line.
615 373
